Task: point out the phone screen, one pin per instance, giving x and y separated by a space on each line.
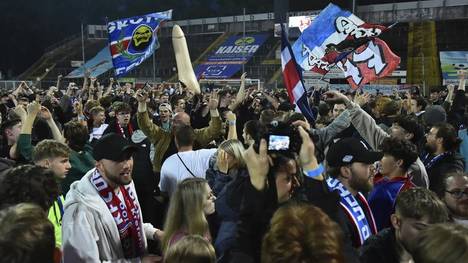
278 143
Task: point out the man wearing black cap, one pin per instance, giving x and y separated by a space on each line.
103 220
402 128
350 169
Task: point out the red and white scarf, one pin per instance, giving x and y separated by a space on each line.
126 215
121 131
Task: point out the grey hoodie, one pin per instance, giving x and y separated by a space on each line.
138 136
89 231
374 136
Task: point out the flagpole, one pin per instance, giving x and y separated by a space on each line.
83 50
243 42
82 43
154 68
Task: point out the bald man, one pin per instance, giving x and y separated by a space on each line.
164 140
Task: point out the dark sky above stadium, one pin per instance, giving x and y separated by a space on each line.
28 27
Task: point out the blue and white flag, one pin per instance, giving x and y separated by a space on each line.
133 40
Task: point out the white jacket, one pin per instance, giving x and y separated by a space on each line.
89 232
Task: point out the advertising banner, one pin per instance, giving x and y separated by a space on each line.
227 59
217 71
450 63
238 49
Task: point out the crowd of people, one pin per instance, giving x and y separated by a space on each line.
115 173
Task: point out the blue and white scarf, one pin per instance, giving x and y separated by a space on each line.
354 211
428 162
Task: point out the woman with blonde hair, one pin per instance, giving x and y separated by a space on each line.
234 148
192 248
228 163
190 204
227 179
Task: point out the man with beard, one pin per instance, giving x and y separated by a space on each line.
402 128
121 125
455 196
351 174
442 145
415 209
103 219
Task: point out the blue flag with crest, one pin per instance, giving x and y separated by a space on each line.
133 40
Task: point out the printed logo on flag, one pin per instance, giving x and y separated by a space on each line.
132 40
369 62
331 27
141 39
338 37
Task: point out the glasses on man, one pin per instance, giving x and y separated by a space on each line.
458 193
124 113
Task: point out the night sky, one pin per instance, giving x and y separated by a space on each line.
28 27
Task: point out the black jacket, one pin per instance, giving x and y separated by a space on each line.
380 248
114 127
256 211
258 208
145 180
453 162
316 193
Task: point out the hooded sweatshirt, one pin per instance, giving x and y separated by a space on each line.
89 231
